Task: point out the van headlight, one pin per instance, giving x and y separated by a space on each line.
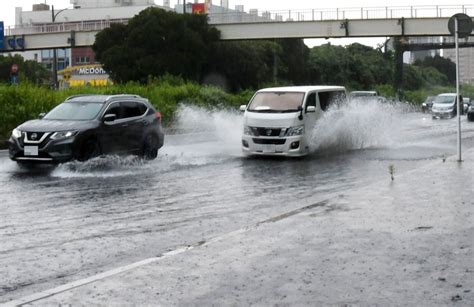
63 134
248 130
297 130
470 108
16 133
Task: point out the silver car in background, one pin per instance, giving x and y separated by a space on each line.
444 106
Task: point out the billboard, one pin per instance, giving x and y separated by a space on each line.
199 8
2 36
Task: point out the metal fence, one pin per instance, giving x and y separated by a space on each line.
232 16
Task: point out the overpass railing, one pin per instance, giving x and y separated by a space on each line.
428 11
63 27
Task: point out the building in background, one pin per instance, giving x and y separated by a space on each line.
412 56
83 10
69 60
466 60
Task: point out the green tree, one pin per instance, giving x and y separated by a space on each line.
154 43
328 64
244 64
443 65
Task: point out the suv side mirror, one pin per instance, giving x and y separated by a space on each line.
310 109
108 118
243 108
41 115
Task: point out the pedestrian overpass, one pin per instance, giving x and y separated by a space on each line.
313 23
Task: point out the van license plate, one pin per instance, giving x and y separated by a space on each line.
269 148
31 150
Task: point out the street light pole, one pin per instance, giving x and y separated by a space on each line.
55 55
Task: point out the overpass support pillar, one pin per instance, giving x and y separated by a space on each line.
400 45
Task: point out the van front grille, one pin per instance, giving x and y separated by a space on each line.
269 141
261 131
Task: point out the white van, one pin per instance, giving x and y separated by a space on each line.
279 121
445 106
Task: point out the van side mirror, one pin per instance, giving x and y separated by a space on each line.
108 118
310 109
41 115
300 109
243 108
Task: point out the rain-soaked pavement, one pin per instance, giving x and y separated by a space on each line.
60 225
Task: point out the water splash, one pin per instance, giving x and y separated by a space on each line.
198 136
105 166
198 124
358 125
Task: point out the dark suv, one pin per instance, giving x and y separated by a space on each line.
87 126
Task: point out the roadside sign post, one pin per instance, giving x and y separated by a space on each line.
2 35
14 74
459 25
456 39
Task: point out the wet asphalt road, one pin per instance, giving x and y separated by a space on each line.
61 224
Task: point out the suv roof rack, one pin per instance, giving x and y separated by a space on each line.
79 95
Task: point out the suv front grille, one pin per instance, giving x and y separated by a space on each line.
35 138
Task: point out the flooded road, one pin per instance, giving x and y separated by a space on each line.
62 224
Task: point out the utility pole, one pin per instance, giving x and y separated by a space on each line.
55 55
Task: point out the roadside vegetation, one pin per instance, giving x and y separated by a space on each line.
27 101
173 58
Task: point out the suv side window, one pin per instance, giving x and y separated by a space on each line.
130 109
311 100
114 108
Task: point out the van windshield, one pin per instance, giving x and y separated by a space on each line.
276 102
444 99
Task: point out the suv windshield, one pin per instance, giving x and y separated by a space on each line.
444 99
75 111
276 102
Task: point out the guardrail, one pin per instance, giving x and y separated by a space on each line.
235 17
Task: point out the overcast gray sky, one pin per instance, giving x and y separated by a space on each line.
7 8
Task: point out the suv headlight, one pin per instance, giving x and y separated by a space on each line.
63 134
16 133
297 130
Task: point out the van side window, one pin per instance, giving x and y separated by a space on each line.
326 99
311 100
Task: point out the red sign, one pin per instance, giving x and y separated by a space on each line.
199 8
14 68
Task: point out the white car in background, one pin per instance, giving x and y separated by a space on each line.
444 106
